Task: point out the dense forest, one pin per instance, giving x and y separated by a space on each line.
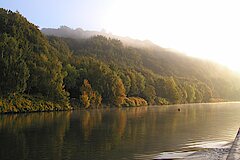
46 72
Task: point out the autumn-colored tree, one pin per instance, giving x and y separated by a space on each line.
89 98
85 99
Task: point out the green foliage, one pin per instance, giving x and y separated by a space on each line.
149 94
139 69
103 80
168 89
25 103
63 52
14 71
161 101
70 80
116 90
137 83
190 90
29 64
134 102
97 71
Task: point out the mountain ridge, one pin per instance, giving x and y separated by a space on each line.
79 33
47 73
171 63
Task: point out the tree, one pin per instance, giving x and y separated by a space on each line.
71 79
85 100
172 91
14 71
206 91
115 91
137 83
167 88
149 94
89 98
190 93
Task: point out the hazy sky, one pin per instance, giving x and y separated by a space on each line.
208 29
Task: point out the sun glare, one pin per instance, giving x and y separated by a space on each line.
205 29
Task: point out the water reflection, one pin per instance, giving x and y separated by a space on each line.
130 133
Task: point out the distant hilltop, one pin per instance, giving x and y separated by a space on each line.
79 33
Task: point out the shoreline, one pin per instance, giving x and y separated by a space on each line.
47 106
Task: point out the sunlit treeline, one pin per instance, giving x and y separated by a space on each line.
40 73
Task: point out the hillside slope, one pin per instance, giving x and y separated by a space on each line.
223 82
46 73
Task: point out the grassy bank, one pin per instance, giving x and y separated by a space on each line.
26 103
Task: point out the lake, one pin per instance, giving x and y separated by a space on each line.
197 130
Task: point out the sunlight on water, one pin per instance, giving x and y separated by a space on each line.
197 131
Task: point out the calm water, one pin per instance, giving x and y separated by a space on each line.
129 133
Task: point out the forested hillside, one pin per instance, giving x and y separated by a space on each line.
31 73
42 73
154 60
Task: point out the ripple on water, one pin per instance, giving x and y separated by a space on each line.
199 151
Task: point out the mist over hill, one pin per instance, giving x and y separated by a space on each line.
68 68
79 33
223 82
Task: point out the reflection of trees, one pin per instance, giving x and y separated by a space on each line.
139 129
16 122
122 120
99 131
107 134
33 136
89 120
